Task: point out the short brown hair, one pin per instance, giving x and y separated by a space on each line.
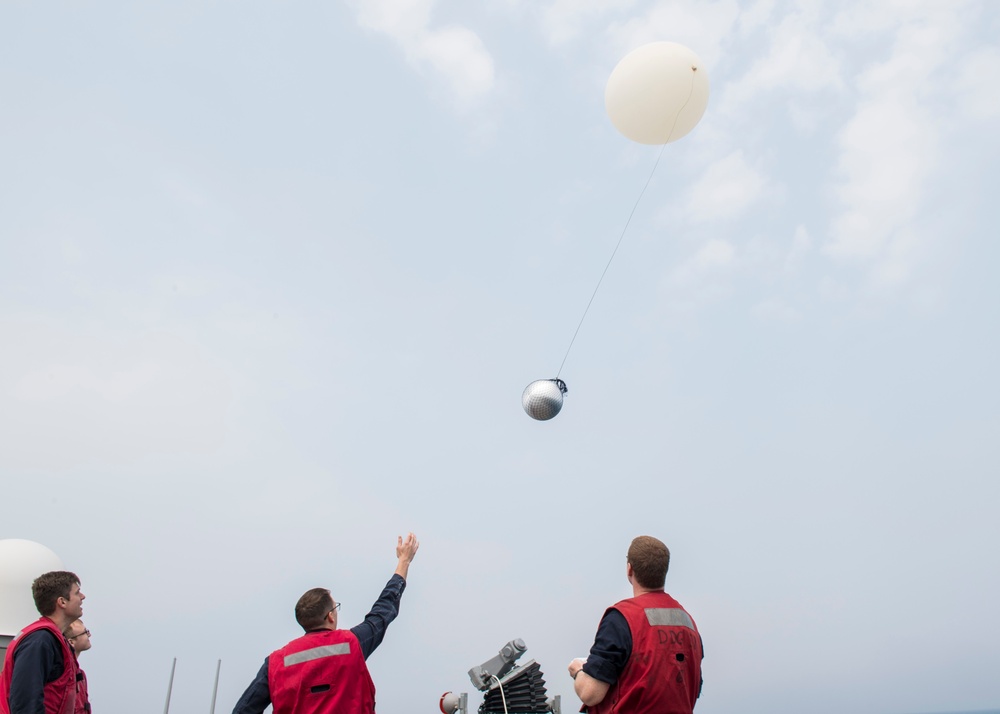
313 607
649 559
49 587
67 633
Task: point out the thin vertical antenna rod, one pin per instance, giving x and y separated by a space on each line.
170 687
215 689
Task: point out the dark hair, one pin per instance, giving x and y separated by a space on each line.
649 559
312 608
49 587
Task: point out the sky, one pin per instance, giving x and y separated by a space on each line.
273 276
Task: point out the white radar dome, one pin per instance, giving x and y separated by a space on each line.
21 561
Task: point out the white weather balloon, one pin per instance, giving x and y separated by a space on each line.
543 398
657 93
21 561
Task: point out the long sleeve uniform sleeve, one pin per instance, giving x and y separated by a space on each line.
372 630
611 650
37 661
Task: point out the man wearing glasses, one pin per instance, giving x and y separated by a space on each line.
324 670
39 670
79 639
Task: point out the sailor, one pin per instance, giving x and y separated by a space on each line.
647 653
324 670
39 670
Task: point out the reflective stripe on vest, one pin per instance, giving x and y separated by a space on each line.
669 617
317 653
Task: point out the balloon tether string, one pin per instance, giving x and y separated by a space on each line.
632 213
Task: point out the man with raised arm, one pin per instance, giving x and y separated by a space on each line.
324 670
647 653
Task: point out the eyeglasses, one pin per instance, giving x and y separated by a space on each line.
335 608
85 632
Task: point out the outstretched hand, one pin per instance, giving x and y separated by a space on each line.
405 550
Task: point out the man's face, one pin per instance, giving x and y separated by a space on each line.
73 606
79 636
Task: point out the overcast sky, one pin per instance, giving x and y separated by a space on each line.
273 276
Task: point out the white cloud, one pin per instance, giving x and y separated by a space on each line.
727 188
890 148
702 26
774 259
887 150
870 18
713 259
454 52
458 54
976 85
396 18
798 58
703 278
628 24
753 16
563 21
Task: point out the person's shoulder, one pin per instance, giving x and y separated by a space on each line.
350 635
41 636
675 601
324 634
39 646
613 624
627 605
336 635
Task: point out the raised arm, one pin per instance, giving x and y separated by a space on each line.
405 550
372 630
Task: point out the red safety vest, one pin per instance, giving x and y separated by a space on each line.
320 673
663 675
60 693
82 695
